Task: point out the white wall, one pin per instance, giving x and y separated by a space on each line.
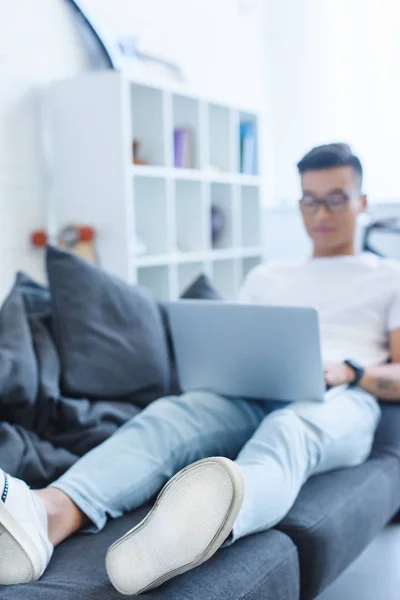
220 44
334 77
37 44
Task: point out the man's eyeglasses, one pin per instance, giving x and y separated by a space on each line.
335 202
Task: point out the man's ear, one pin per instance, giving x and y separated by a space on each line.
363 203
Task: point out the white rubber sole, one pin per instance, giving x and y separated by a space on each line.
163 546
20 561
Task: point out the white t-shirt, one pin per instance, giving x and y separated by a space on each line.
357 299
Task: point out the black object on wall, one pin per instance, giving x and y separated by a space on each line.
92 33
108 49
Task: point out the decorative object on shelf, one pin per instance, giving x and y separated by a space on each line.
130 50
79 239
183 141
247 148
217 224
136 152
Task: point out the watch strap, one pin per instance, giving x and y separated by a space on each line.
358 372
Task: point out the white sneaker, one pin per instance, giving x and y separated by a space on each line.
192 517
25 549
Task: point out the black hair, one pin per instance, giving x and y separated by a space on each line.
329 156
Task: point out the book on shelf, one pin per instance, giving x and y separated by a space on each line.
247 148
183 148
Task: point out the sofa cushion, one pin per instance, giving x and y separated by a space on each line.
19 380
109 334
337 514
255 568
201 289
387 436
36 296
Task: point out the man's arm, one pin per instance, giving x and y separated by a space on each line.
384 381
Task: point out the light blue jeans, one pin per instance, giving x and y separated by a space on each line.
277 447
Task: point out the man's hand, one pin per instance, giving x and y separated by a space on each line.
337 374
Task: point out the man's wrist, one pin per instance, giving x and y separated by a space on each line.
356 374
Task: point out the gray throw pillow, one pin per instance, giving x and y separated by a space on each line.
201 289
109 335
19 382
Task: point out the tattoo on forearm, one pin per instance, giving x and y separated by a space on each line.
385 384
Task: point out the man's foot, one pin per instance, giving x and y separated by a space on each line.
25 549
192 517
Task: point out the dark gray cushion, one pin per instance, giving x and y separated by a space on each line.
201 289
336 515
36 296
260 567
18 376
109 335
387 437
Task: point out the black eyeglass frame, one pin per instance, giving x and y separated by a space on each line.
335 202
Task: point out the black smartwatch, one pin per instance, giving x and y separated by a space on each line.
358 371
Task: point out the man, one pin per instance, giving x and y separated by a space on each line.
276 447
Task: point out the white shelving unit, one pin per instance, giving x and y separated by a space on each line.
93 120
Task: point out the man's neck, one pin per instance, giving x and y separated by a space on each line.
347 250
343 251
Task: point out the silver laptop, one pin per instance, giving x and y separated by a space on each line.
258 352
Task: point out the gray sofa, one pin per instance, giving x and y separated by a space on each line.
334 518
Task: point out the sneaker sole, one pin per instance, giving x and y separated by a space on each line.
20 561
130 544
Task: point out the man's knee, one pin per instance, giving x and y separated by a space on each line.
288 426
284 418
342 430
324 451
355 449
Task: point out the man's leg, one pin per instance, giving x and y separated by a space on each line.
121 474
204 503
301 440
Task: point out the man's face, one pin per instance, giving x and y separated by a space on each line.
332 225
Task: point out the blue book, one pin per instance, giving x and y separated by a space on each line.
247 148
